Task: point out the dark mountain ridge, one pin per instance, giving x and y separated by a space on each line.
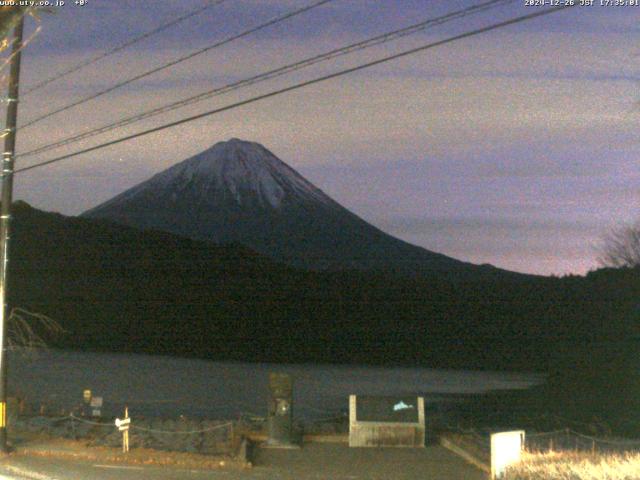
116 288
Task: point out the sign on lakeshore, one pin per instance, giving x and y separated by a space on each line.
386 421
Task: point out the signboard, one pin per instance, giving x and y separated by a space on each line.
96 406
386 421
123 425
86 395
387 409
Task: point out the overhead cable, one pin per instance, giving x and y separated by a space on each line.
174 62
120 47
364 44
297 86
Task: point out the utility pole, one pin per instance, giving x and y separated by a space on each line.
8 156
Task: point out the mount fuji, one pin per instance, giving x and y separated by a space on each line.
239 192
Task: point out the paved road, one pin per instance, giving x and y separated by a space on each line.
37 468
313 462
338 462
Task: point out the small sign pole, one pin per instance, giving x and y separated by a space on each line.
123 426
125 433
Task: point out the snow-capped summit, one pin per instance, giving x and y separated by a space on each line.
245 172
238 191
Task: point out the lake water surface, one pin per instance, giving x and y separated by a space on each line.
169 387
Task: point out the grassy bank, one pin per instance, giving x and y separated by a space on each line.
576 466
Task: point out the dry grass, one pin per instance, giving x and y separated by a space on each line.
576 466
73 449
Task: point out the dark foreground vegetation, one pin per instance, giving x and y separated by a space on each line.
114 288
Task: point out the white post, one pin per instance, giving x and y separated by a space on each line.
352 419
506 450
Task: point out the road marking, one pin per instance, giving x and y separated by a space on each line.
27 473
120 467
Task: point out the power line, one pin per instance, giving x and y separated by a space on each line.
176 61
127 44
370 42
297 86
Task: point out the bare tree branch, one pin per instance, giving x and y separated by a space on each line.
621 247
27 331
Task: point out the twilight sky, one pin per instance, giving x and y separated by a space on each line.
517 147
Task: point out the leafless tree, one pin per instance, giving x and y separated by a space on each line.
27 331
621 247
